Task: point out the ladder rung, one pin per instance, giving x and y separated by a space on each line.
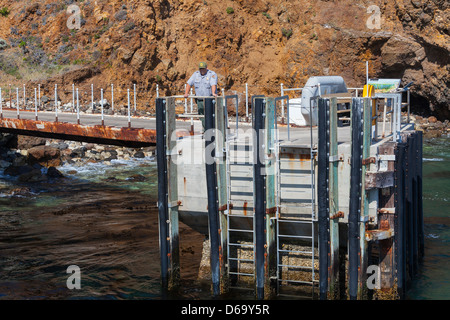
296 267
241 178
241 230
241 245
295 185
241 193
295 221
295 251
293 236
295 171
296 200
241 273
296 281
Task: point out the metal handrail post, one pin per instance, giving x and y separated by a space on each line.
246 102
282 98
282 104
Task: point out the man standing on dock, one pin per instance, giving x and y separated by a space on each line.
205 84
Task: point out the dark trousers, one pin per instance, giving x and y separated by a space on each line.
201 110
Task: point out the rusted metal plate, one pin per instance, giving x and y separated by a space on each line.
379 234
380 179
69 131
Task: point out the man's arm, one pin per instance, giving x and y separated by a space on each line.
186 92
214 84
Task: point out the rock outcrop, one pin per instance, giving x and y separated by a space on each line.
260 42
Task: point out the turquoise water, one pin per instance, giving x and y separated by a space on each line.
433 281
104 219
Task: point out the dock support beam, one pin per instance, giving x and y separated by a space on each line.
167 195
421 231
260 197
400 220
323 196
211 182
269 153
354 215
334 213
223 204
366 142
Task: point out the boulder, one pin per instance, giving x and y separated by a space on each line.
79 152
139 154
432 119
45 155
26 142
34 175
52 172
18 170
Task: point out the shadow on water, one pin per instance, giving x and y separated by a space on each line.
433 280
104 220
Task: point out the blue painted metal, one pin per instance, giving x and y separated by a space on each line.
213 210
355 198
323 195
259 197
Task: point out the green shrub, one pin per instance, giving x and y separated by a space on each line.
4 12
267 15
230 10
287 32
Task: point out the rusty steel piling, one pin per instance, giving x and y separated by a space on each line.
323 194
260 195
211 182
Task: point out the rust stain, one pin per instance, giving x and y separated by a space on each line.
126 134
384 224
245 207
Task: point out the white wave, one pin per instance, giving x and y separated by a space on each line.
433 159
99 168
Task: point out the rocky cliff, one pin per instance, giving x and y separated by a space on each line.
260 42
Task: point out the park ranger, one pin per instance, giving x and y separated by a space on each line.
205 83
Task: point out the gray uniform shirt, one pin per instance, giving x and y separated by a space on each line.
202 84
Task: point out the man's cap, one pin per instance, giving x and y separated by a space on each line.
202 65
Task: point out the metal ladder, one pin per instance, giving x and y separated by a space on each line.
296 218
241 240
